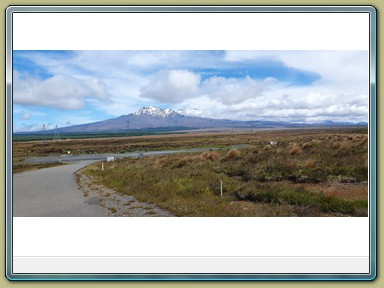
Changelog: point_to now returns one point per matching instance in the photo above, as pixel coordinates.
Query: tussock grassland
(287, 179)
(23, 150)
(233, 153)
(294, 149)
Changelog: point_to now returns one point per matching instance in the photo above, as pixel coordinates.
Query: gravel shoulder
(117, 204)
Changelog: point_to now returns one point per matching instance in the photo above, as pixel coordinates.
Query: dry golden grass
(204, 155)
(336, 145)
(292, 164)
(310, 163)
(267, 147)
(184, 160)
(295, 149)
(233, 153)
(209, 155)
(307, 145)
(341, 145)
(356, 138)
(279, 150)
(364, 141)
(213, 156)
(366, 161)
(330, 194)
(316, 141)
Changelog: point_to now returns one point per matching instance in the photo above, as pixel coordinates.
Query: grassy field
(25, 149)
(307, 173)
(22, 150)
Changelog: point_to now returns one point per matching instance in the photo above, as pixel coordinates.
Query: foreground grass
(18, 168)
(260, 181)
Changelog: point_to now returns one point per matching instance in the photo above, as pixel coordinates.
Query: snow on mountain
(156, 112)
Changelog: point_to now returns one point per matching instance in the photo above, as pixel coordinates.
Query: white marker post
(102, 166)
(221, 188)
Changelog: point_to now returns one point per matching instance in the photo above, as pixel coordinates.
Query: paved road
(52, 192)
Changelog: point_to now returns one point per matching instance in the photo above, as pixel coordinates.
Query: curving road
(52, 192)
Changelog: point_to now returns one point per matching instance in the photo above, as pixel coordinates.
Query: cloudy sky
(74, 87)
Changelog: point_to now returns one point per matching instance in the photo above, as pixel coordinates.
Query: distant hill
(153, 117)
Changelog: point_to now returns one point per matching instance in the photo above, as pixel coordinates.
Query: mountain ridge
(152, 117)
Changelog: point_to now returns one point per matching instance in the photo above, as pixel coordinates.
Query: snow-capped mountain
(156, 112)
(153, 117)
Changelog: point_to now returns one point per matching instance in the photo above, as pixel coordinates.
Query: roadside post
(221, 188)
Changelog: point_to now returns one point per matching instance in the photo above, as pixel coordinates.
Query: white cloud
(345, 71)
(284, 104)
(26, 115)
(341, 94)
(172, 86)
(233, 91)
(203, 106)
(64, 120)
(59, 91)
(28, 127)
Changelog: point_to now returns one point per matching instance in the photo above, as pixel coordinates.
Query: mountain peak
(156, 112)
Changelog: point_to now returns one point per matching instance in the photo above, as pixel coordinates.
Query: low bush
(309, 163)
(295, 149)
(233, 153)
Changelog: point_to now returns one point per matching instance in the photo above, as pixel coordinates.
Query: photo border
(196, 9)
